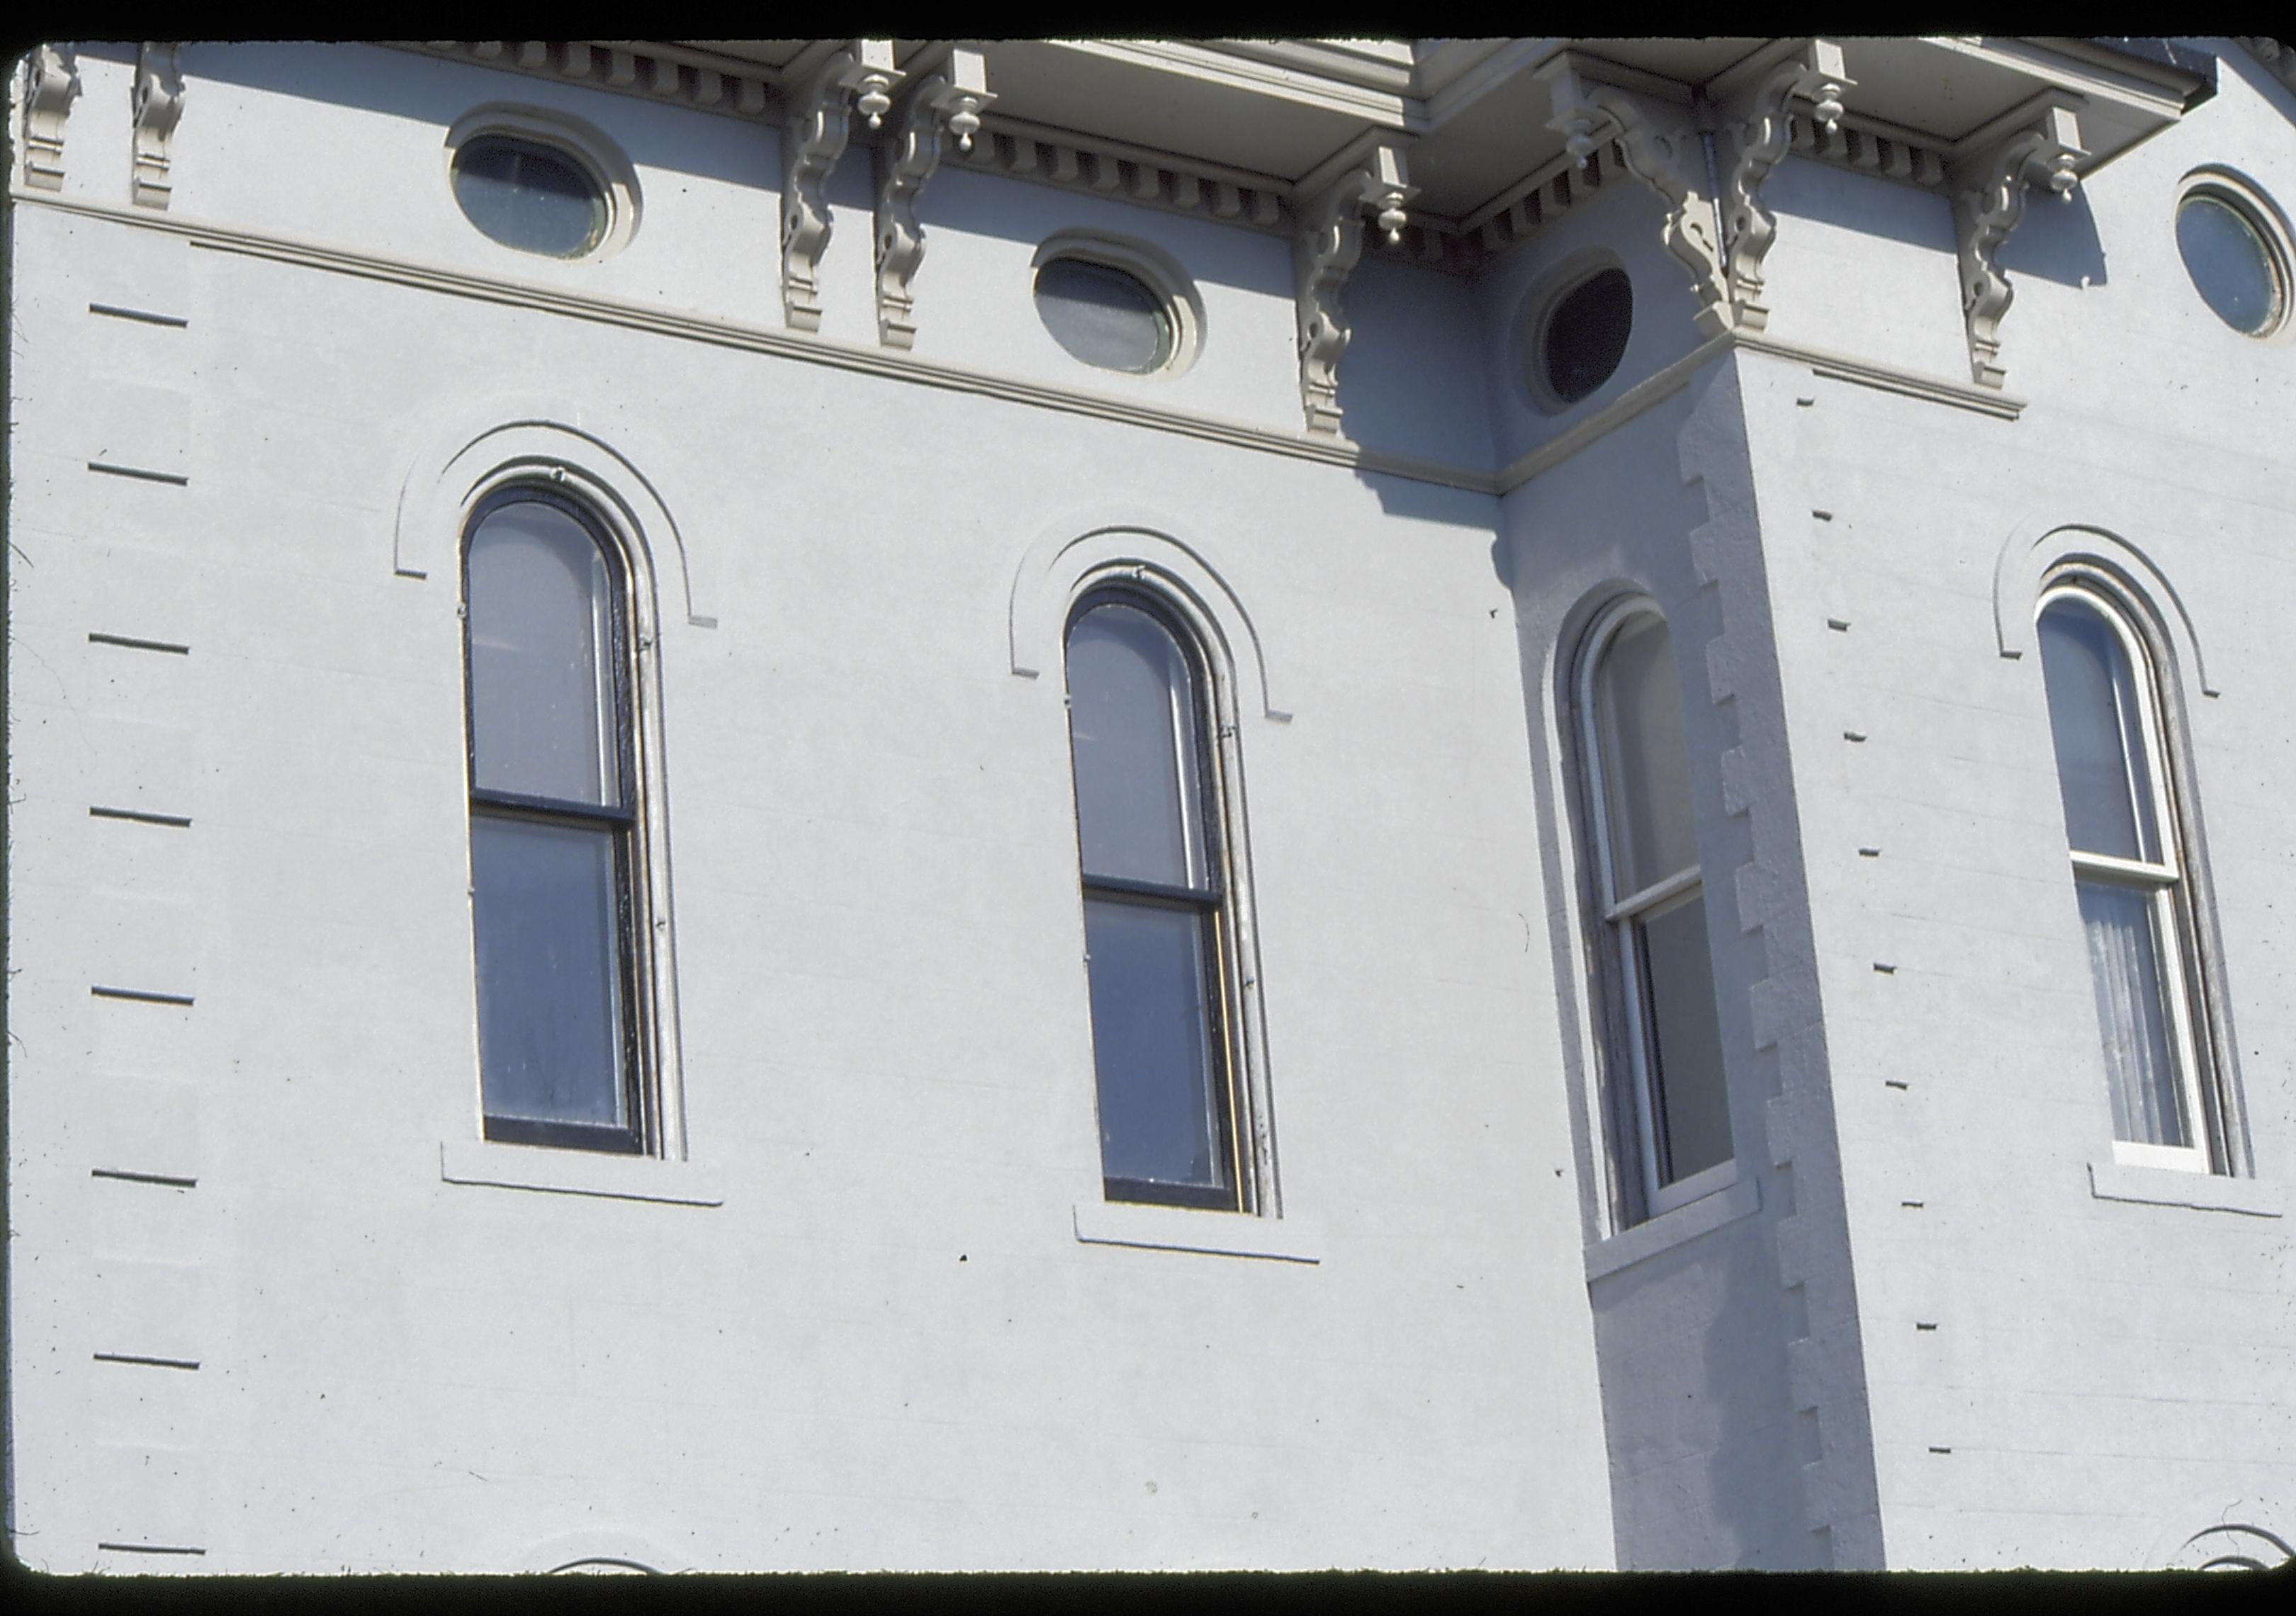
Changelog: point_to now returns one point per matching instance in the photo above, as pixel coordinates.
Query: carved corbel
(158, 102)
(1323, 255)
(948, 102)
(1989, 201)
(1663, 150)
(51, 80)
(859, 76)
(1814, 79)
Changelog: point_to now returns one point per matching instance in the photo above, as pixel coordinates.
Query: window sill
(2165, 1186)
(1173, 1228)
(1667, 1230)
(572, 1172)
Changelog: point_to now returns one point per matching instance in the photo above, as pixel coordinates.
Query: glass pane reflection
(1152, 1045)
(1694, 1123)
(543, 698)
(1103, 317)
(2229, 263)
(529, 197)
(1132, 722)
(543, 902)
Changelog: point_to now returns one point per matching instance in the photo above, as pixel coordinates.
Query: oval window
(1104, 316)
(2231, 262)
(1585, 335)
(529, 196)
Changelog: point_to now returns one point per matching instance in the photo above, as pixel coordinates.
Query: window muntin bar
(1653, 903)
(553, 856)
(2135, 903)
(1156, 926)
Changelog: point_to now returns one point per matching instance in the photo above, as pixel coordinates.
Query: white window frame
(660, 1065)
(1620, 916)
(1240, 1044)
(2168, 882)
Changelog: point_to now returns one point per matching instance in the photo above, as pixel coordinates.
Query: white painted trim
(1176, 1229)
(809, 347)
(1653, 388)
(1888, 378)
(1667, 1230)
(539, 433)
(1099, 539)
(2034, 548)
(589, 147)
(1058, 571)
(575, 1172)
(2166, 1187)
(605, 1546)
(1150, 264)
(902, 365)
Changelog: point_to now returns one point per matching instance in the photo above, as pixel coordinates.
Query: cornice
(1390, 89)
(1046, 156)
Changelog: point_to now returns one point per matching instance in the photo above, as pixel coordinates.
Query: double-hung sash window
(2136, 899)
(555, 868)
(1157, 934)
(1676, 1121)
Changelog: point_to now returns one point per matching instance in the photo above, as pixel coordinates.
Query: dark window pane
(1645, 763)
(1152, 1041)
(1103, 315)
(1587, 334)
(1132, 722)
(543, 718)
(529, 197)
(2124, 956)
(1692, 1124)
(2230, 264)
(2096, 723)
(543, 905)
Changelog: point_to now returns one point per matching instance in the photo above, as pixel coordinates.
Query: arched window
(1670, 1103)
(1159, 935)
(2127, 835)
(557, 892)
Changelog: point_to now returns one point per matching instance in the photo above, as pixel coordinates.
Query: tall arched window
(2127, 835)
(1673, 1116)
(1157, 906)
(556, 885)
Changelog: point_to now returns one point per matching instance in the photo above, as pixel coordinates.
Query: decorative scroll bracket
(1664, 151)
(1989, 201)
(859, 77)
(158, 99)
(948, 102)
(1815, 78)
(52, 78)
(1323, 254)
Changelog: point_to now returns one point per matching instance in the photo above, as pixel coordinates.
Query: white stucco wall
(886, 1346)
(2109, 1376)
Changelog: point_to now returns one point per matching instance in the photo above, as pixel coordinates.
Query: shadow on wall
(435, 90)
(2057, 241)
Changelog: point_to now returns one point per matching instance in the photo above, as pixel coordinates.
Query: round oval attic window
(2236, 260)
(529, 196)
(1103, 317)
(1584, 335)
